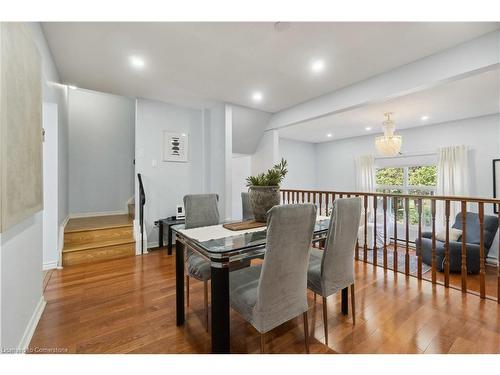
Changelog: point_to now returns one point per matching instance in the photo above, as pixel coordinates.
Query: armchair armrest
(426, 234)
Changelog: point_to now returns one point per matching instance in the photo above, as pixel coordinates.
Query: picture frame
(175, 147)
(496, 182)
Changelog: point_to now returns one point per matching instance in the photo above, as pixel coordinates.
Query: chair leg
(353, 305)
(262, 343)
(187, 290)
(306, 331)
(325, 320)
(205, 292)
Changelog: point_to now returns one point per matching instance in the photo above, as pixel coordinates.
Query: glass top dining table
(227, 248)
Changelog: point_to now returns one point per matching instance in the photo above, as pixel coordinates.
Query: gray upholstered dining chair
(247, 208)
(201, 210)
(270, 294)
(332, 269)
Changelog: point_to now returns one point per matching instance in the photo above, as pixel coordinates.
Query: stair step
(94, 236)
(97, 245)
(97, 254)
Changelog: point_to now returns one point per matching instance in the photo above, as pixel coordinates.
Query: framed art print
(496, 182)
(175, 146)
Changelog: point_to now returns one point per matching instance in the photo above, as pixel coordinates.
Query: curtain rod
(407, 155)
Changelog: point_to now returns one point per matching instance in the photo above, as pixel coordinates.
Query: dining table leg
(179, 282)
(345, 301)
(220, 308)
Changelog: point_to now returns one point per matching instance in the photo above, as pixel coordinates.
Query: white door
(50, 187)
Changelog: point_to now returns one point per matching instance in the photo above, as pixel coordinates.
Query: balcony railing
(393, 213)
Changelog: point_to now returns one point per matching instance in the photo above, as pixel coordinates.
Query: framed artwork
(496, 182)
(175, 146)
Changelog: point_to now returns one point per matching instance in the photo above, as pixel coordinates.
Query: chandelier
(388, 144)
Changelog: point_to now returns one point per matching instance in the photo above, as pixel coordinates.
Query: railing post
(447, 245)
(320, 202)
(407, 235)
(384, 203)
(375, 249)
(498, 262)
(464, 247)
(433, 245)
(365, 247)
(482, 266)
(395, 256)
(419, 250)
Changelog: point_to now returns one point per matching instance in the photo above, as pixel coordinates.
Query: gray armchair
(332, 270)
(247, 208)
(270, 294)
(473, 236)
(200, 210)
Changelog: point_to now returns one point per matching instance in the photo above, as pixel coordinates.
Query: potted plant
(265, 190)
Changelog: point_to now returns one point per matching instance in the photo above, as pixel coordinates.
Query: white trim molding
(92, 214)
(30, 328)
(50, 265)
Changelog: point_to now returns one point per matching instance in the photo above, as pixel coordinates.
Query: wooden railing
(397, 208)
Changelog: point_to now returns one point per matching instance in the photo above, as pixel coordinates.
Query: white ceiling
(194, 64)
(473, 96)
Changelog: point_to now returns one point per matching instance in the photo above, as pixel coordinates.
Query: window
(412, 180)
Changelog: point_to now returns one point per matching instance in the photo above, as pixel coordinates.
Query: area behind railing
(397, 231)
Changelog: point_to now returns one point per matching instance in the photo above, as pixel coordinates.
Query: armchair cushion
(473, 234)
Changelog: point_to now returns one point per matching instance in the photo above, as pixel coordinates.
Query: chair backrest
(247, 208)
(337, 265)
(282, 289)
(201, 210)
(473, 234)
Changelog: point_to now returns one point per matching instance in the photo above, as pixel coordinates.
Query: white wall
(335, 160)
(301, 158)
(219, 147)
(267, 153)
(101, 144)
(248, 128)
(21, 300)
(241, 169)
(56, 93)
(166, 184)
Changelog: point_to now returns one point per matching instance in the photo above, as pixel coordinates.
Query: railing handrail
(411, 196)
(396, 208)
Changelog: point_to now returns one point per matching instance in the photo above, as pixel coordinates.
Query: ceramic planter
(263, 199)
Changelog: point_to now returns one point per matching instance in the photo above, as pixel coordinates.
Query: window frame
(405, 187)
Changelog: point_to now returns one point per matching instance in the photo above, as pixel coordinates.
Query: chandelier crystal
(388, 144)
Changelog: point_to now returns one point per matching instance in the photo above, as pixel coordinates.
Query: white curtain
(365, 173)
(452, 179)
(365, 180)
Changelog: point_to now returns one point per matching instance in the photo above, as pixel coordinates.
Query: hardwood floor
(128, 306)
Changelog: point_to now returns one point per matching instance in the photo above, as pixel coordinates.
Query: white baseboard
(92, 214)
(50, 265)
(153, 244)
(30, 329)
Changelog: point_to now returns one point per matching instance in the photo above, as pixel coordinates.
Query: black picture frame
(496, 187)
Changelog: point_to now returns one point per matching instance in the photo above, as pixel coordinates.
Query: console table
(167, 222)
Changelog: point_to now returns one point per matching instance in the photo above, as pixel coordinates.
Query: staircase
(94, 239)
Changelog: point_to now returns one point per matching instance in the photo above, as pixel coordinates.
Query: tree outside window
(411, 180)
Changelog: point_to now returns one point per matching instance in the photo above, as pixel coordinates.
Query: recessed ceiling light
(424, 118)
(136, 62)
(368, 128)
(329, 135)
(72, 87)
(317, 66)
(257, 96)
